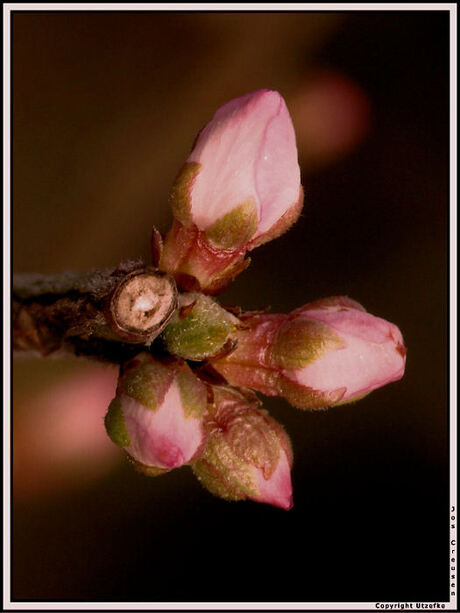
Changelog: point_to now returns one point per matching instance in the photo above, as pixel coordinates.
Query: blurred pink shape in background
(59, 439)
(331, 114)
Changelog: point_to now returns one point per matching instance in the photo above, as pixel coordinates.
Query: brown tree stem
(104, 314)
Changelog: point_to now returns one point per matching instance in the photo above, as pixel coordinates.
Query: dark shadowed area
(105, 109)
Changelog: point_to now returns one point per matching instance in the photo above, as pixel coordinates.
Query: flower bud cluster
(189, 399)
(164, 417)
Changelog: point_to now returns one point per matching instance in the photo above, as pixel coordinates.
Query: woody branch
(104, 314)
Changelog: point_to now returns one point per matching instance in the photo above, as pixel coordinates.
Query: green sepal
(202, 332)
(255, 441)
(236, 228)
(193, 393)
(301, 341)
(352, 399)
(241, 437)
(251, 434)
(214, 482)
(148, 471)
(303, 397)
(179, 196)
(115, 424)
(147, 383)
(222, 472)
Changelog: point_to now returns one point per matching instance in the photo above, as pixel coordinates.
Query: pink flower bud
(361, 352)
(239, 188)
(248, 454)
(156, 415)
(326, 353)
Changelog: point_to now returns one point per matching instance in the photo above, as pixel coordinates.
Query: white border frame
(204, 606)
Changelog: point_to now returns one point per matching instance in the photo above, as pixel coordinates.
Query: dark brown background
(105, 108)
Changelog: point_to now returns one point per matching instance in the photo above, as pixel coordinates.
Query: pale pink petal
(277, 170)
(361, 367)
(247, 151)
(164, 437)
(356, 323)
(374, 354)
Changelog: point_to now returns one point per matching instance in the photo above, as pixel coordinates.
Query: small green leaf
(201, 333)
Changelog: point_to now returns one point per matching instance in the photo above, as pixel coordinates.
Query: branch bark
(104, 314)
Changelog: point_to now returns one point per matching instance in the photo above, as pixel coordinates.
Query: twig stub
(101, 314)
(142, 304)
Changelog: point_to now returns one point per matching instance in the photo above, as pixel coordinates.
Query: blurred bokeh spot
(59, 439)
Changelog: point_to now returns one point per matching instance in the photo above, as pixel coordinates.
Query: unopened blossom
(239, 188)
(247, 455)
(156, 416)
(325, 353)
